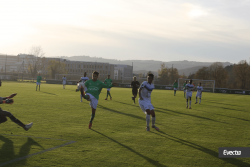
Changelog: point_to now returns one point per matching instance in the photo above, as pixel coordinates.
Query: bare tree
(219, 74)
(35, 60)
(241, 71)
(56, 67)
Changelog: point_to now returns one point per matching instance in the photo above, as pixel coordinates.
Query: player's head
(95, 75)
(64, 76)
(108, 76)
(134, 78)
(85, 74)
(150, 78)
(39, 74)
(190, 81)
(175, 81)
(200, 83)
(186, 81)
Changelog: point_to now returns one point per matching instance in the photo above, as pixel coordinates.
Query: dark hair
(151, 75)
(190, 81)
(96, 73)
(200, 83)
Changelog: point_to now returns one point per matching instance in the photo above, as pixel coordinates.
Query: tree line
(236, 76)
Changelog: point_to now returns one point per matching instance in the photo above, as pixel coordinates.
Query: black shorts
(134, 91)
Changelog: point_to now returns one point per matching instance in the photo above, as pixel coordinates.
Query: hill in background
(184, 66)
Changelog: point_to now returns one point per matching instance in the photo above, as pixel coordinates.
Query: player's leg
(190, 103)
(36, 86)
(187, 103)
(14, 119)
(81, 97)
(39, 86)
(148, 119)
(107, 94)
(196, 100)
(92, 117)
(200, 99)
(152, 112)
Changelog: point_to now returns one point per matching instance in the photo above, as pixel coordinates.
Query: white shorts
(64, 83)
(198, 95)
(108, 89)
(93, 101)
(145, 105)
(175, 88)
(188, 94)
(38, 83)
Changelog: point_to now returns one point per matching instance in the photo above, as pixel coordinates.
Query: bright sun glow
(195, 13)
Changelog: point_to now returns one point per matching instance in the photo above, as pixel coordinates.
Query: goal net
(208, 85)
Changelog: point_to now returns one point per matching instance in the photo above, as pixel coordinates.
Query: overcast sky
(166, 30)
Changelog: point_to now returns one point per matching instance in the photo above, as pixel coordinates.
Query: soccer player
(199, 92)
(184, 90)
(84, 79)
(189, 87)
(64, 81)
(38, 81)
(5, 114)
(108, 81)
(145, 100)
(135, 85)
(92, 94)
(175, 85)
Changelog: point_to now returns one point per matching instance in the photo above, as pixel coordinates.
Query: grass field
(60, 134)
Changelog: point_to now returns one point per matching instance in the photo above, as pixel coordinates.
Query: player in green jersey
(175, 85)
(94, 88)
(38, 81)
(108, 81)
(184, 88)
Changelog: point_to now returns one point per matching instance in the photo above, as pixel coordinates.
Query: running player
(64, 81)
(184, 90)
(135, 85)
(92, 94)
(199, 93)
(38, 81)
(175, 85)
(5, 114)
(108, 81)
(189, 87)
(145, 100)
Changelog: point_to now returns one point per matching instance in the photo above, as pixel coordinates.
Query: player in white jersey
(145, 100)
(64, 80)
(199, 92)
(84, 79)
(189, 88)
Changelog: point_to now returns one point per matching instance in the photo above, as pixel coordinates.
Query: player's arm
(140, 93)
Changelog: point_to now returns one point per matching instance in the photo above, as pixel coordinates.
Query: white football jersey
(189, 87)
(146, 90)
(64, 78)
(199, 89)
(84, 79)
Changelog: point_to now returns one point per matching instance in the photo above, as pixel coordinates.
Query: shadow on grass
(192, 115)
(242, 119)
(48, 93)
(127, 114)
(215, 154)
(7, 150)
(153, 162)
(137, 106)
(221, 103)
(118, 112)
(226, 108)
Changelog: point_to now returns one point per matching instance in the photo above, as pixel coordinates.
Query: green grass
(187, 137)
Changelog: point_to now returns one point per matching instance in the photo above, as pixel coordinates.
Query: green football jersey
(175, 85)
(39, 78)
(95, 88)
(108, 81)
(184, 85)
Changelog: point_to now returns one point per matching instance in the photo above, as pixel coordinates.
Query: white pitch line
(27, 156)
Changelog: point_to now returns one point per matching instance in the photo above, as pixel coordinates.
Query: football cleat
(195, 103)
(187, 107)
(190, 108)
(110, 98)
(156, 128)
(106, 99)
(28, 126)
(147, 128)
(90, 125)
